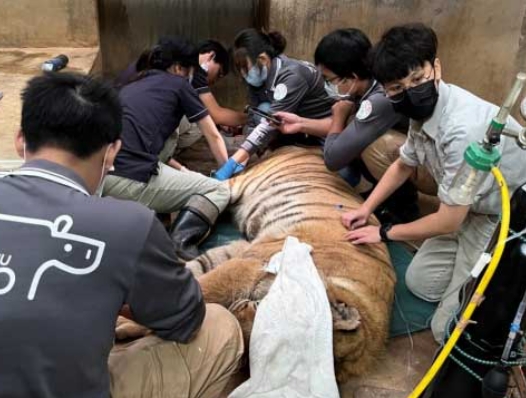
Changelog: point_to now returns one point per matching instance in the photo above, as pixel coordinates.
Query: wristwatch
(384, 228)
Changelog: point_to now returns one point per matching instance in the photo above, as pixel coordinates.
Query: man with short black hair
(70, 260)
(445, 119)
(214, 62)
(361, 118)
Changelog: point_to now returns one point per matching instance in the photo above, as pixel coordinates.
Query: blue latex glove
(226, 171)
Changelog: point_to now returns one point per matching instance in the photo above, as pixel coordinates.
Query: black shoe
(192, 226)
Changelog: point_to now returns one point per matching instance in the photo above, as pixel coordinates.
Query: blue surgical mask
(256, 77)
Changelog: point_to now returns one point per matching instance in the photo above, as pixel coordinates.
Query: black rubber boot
(192, 226)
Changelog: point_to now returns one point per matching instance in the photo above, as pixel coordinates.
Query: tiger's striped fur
(292, 193)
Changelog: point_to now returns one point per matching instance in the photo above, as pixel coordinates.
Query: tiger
(292, 193)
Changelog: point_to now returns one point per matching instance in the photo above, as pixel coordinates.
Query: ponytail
(251, 42)
(278, 41)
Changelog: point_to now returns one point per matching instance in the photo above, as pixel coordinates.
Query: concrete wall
(48, 23)
(481, 43)
(127, 27)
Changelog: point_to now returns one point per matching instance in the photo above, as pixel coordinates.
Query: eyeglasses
(396, 91)
(336, 80)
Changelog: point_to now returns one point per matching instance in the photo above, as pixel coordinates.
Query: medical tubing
(514, 328)
(479, 292)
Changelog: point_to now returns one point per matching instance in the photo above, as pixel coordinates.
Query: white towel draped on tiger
(291, 192)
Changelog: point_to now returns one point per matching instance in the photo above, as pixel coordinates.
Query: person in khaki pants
(445, 119)
(150, 367)
(91, 256)
(153, 106)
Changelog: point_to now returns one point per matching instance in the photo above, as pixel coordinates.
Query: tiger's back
(291, 186)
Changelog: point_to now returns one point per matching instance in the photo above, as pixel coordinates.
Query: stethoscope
(47, 175)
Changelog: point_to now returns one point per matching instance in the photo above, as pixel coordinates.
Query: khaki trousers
(169, 190)
(153, 368)
(443, 264)
(383, 152)
(186, 135)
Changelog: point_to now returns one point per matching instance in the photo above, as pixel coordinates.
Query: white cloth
(291, 351)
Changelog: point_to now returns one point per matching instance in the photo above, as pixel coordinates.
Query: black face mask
(418, 102)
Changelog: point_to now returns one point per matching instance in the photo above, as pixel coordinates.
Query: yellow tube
(479, 293)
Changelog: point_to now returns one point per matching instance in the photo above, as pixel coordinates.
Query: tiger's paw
(345, 317)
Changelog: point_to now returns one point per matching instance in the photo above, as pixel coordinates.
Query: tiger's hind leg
(238, 285)
(206, 262)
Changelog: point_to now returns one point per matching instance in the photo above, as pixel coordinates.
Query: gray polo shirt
(68, 262)
(374, 117)
(297, 87)
(459, 119)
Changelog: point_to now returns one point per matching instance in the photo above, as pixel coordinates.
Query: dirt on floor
(17, 66)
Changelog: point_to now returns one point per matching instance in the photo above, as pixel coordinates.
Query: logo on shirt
(365, 110)
(280, 92)
(84, 253)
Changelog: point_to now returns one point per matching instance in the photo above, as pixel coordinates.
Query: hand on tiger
(355, 218)
(290, 123)
(369, 234)
(228, 169)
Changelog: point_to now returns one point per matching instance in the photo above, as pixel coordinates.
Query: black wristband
(384, 228)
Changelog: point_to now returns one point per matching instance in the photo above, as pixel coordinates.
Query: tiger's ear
(345, 317)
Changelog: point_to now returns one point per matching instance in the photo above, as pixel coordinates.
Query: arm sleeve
(200, 81)
(341, 149)
(165, 296)
(296, 87)
(408, 151)
(192, 106)
(453, 148)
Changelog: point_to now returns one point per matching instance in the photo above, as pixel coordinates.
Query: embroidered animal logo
(86, 252)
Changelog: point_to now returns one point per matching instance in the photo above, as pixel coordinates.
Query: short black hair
(171, 50)
(221, 54)
(73, 112)
(345, 53)
(403, 49)
(252, 42)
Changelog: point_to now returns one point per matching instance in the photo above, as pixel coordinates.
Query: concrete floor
(403, 365)
(17, 66)
(397, 373)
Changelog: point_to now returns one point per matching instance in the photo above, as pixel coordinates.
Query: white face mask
(333, 91)
(103, 173)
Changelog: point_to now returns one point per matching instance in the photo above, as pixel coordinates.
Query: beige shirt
(459, 119)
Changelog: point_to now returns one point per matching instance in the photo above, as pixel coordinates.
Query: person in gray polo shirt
(290, 85)
(362, 120)
(69, 260)
(445, 119)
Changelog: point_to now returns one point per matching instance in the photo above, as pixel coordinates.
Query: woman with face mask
(153, 106)
(286, 84)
